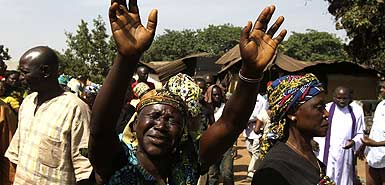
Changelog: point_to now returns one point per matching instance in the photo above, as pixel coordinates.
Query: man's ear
(45, 70)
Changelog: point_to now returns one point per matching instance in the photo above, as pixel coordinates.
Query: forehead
(142, 69)
(216, 90)
(161, 108)
(342, 92)
(319, 98)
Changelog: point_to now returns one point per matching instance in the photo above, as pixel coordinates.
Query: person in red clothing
(142, 72)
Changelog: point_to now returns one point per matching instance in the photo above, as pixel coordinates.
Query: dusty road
(242, 161)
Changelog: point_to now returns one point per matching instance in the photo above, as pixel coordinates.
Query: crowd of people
(56, 129)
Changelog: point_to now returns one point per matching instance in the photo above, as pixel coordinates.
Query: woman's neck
(302, 145)
(159, 168)
(301, 142)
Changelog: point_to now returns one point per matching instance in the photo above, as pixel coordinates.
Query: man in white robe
(346, 128)
(252, 138)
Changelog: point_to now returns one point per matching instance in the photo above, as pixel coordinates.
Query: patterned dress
(185, 169)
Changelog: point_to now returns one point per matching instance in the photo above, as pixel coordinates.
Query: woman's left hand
(257, 46)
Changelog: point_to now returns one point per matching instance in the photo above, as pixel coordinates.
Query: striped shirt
(46, 146)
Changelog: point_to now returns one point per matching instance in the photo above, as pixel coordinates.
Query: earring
(293, 118)
(325, 117)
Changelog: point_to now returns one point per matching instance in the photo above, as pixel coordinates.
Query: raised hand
(131, 37)
(257, 46)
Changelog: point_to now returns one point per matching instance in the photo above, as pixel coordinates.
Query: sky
(25, 24)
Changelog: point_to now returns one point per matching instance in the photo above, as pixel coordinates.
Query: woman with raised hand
(161, 118)
(297, 115)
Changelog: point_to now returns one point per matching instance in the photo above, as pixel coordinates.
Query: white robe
(340, 161)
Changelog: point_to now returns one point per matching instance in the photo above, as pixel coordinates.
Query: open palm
(131, 37)
(257, 46)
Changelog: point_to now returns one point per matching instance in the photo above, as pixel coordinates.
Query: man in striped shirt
(53, 127)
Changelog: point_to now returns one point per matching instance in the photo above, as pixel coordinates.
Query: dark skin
(13, 79)
(308, 121)
(142, 72)
(3, 67)
(39, 68)
(217, 96)
(158, 129)
(342, 97)
(209, 80)
(366, 140)
(257, 48)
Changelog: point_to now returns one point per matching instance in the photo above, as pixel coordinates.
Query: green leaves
(89, 52)
(364, 22)
(177, 44)
(4, 53)
(314, 45)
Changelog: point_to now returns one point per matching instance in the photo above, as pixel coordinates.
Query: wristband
(249, 80)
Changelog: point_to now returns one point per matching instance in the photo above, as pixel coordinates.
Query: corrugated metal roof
(166, 69)
(233, 55)
(281, 60)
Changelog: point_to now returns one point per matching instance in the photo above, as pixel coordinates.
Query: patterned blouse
(185, 169)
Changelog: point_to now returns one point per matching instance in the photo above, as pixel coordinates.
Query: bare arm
(132, 39)
(370, 142)
(257, 49)
(258, 126)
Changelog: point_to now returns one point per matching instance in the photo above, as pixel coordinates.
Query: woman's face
(312, 117)
(159, 129)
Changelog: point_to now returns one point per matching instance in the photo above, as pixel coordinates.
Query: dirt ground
(242, 160)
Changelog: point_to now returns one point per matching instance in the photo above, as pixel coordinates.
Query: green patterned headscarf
(185, 87)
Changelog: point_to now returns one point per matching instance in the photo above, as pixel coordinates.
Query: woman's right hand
(131, 37)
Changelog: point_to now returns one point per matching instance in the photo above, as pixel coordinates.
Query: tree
(314, 45)
(89, 52)
(177, 44)
(217, 39)
(363, 21)
(171, 45)
(4, 53)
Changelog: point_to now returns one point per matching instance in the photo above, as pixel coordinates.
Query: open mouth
(159, 140)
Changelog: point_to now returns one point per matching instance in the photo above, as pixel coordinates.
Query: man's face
(3, 67)
(216, 95)
(142, 74)
(202, 85)
(31, 74)
(342, 98)
(13, 79)
(382, 89)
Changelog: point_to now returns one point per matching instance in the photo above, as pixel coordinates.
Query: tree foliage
(177, 44)
(4, 55)
(364, 23)
(314, 45)
(89, 52)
